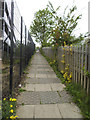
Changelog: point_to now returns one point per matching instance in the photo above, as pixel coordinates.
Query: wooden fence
(77, 59)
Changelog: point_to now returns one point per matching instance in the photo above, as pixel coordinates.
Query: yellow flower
(62, 71)
(63, 55)
(11, 105)
(4, 99)
(67, 49)
(12, 117)
(62, 61)
(69, 81)
(70, 49)
(63, 48)
(71, 45)
(66, 68)
(10, 99)
(50, 63)
(54, 61)
(13, 99)
(64, 43)
(16, 116)
(70, 76)
(64, 76)
(11, 110)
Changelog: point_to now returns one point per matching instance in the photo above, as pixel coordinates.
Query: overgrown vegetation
(79, 94)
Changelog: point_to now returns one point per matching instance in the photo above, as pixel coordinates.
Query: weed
(22, 104)
(40, 102)
(21, 90)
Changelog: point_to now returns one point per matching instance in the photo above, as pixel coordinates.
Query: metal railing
(17, 45)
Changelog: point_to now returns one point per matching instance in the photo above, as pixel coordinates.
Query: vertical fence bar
(21, 47)
(11, 51)
(25, 44)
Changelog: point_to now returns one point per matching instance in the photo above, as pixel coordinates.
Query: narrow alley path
(45, 96)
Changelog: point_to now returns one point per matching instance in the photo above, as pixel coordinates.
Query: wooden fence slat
(76, 64)
(88, 63)
(79, 64)
(82, 65)
(86, 47)
(73, 63)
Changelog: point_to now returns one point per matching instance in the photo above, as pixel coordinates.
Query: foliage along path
(44, 95)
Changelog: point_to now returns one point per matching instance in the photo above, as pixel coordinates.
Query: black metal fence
(17, 45)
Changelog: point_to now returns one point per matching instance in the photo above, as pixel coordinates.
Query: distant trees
(49, 28)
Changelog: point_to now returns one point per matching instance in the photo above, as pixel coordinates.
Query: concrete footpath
(45, 96)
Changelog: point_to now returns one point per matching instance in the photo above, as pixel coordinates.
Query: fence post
(21, 47)
(88, 63)
(11, 50)
(25, 44)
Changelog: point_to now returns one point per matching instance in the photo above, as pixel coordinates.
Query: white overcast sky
(29, 7)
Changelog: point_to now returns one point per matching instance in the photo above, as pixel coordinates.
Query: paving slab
(31, 75)
(45, 72)
(57, 86)
(48, 69)
(41, 75)
(69, 110)
(29, 87)
(37, 87)
(25, 111)
(42, 87)
(32, 81)
(42, 80)
(47, 111)
(28, 98)
(49, 97)
(65, 97)
(40, 69)
(51, 76)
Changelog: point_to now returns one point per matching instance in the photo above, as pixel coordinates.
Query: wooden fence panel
(78, 59)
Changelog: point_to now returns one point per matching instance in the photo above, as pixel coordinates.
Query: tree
(65, 26)
(48, 27)
(40, 28)
(42, 25)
